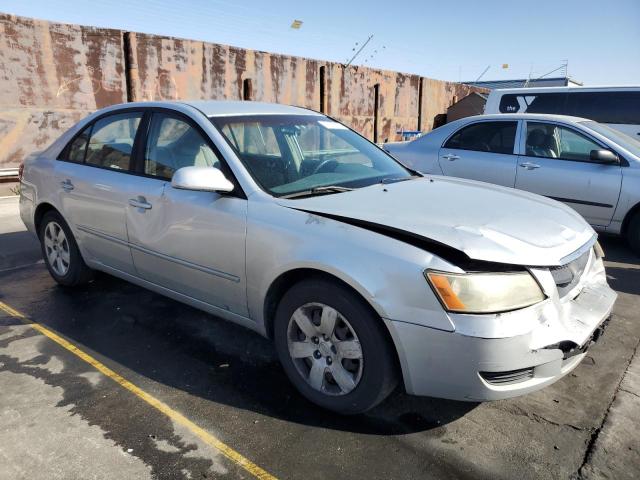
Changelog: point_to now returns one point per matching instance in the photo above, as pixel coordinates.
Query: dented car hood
(485, 222)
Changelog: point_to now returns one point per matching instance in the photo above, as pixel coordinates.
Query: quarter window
(494, 137)
(111, 142)
(173, 144)
(75, 151)
(553, 141)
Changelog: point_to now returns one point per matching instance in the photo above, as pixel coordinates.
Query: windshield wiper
(330, 189)
(398, 179)
(325, 189)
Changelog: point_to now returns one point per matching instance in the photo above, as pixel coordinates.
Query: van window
(605, 107)
(495, 137)
(553, 103)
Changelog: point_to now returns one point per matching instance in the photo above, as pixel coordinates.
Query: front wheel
(333, 347)
(60, 251)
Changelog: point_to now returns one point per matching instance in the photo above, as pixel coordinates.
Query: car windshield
(294, 154)
(625, 141)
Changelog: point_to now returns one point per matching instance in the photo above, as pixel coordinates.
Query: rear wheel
(333, 347)
(633, 233)
(60, 252)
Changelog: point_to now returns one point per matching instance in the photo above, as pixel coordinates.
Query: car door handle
(66, 185)
(140, 202)
(529, 165)
(451, 157)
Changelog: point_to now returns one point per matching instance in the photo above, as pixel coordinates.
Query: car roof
(224, 108)
(527, 116)
(565, 89)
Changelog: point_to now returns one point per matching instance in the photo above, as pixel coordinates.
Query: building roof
(524, 82)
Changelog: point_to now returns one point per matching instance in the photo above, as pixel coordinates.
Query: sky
(449, 40)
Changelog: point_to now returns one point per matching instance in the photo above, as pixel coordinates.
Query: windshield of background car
(625, 141)
(286, 154)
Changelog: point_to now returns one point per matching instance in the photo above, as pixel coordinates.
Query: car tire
(633, 233)
(348, 384)
(60, 252)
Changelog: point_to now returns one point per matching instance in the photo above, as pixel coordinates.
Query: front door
(482, 151)
(557, 164)
(189, 242)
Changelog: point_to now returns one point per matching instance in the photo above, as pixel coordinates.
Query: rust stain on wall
(53, 74)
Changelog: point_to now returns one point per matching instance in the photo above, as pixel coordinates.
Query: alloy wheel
(325, 349)
(57, 248)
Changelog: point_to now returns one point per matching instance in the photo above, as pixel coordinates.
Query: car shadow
(18, 249)
(622, 265)
(184, 348)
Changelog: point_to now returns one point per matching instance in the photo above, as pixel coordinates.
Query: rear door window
(493, 137)
(111, 142)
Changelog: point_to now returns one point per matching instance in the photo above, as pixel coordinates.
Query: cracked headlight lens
(485, 292)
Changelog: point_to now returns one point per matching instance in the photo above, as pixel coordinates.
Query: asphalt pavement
(113, 381)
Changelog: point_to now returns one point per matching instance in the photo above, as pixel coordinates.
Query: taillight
(20, 171)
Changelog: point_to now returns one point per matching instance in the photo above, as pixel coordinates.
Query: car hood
(485, 222)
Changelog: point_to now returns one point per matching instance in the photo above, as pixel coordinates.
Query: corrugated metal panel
(57, 73)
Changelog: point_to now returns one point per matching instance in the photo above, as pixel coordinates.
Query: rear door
(190, 242)
(482, 151)
(94, 180)
(556, 163)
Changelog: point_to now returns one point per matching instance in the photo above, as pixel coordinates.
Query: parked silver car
(361, 271)
(587, 165)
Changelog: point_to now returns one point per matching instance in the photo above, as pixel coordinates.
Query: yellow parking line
(205, 436)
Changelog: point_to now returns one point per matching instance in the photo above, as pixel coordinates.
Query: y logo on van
(523, 102)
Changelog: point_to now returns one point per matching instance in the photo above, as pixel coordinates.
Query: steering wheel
(327, 165)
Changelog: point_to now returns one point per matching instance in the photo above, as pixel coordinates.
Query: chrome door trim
(184, 263)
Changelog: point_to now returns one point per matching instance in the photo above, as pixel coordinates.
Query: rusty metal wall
(53, 74)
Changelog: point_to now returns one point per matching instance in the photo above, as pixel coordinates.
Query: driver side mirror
(201, 179)
(604, 157)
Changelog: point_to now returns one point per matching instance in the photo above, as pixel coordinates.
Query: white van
(618, 107)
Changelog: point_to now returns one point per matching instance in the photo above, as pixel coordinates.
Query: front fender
(387, 273)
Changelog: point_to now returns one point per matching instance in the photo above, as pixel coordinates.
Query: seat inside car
(540, 144)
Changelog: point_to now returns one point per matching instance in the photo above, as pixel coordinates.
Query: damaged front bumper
(491, 357)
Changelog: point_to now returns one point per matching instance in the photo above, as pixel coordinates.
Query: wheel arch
(41, 211)
(288, 279)
(633, 211)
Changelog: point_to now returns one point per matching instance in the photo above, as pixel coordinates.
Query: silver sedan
(587, 165)
(363, 272)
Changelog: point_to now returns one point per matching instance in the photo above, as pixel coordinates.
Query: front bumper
(466, 365)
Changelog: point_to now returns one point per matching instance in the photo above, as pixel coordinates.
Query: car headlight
(485, 292)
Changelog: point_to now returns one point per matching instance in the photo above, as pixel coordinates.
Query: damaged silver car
(363, 272)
